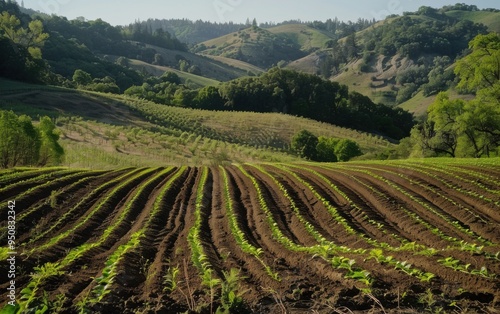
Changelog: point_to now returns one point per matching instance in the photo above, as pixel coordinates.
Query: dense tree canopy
(479, 72)
(304, 144)
(413, 36)
(460, 128)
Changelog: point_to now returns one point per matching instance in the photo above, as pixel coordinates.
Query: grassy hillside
(105, 131)
(249, 68)
(158, 70)
(254, 45)
(379, 82)
(209, 68)
(490, 19)
(265, 47)
(306, 37)
(398, 63)
(419, 103)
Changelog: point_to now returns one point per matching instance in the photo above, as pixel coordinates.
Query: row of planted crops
(420, 235)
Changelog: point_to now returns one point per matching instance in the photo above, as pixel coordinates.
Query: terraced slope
(411, 235)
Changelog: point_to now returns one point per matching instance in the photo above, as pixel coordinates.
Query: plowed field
(268, 238)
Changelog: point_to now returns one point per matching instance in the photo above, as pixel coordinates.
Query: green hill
(308, 38)
(249, 68)
(490, 19)
(186, 77)
(267, 47)
(254, 45)
(207, 67)
(405, 60)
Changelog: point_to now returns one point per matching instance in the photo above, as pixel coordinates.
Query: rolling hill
(411, 72)
(266, 47)
(254, 45)
(158, 70)
(106, 131)
(209, 68)
(308, 38)
(488, 18)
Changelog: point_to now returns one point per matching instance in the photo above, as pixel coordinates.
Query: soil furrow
(281, 209)
(453, 212)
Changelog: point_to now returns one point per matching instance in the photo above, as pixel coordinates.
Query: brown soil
(387, 207)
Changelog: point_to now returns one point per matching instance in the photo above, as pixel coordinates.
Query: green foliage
(23, 144)
(20, 54)
(325, 149)
(81, 77)
(31, 301)
(439, 78)
(51, 151)
(416, 74)
(209, 98)
(480, 70)
(312, 97)
(347, 149)
(304, 144)
(231, 295)
(170, 280)
(406, 92)
(31, 38)
(171, 77)
(424, 32)
(467, 128)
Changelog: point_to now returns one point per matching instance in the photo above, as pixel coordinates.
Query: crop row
(357, 224)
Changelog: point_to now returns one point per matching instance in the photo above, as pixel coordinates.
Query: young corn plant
(170, 280)
(231, 296)
(30, 300)
(109, 272)
(238, 234)
(379, 256)
(211, 283)
(320, 249)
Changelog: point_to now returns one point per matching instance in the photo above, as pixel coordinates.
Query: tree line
(286, 91)
(194, 32)
(324, 149)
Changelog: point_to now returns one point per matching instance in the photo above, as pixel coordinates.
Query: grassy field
(306, 37)
(158, 70)
(209, 68)
(238, 64)
(419, 103)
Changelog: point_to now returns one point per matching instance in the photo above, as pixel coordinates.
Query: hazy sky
(123, 12)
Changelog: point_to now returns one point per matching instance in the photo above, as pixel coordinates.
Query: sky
(124, 12)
